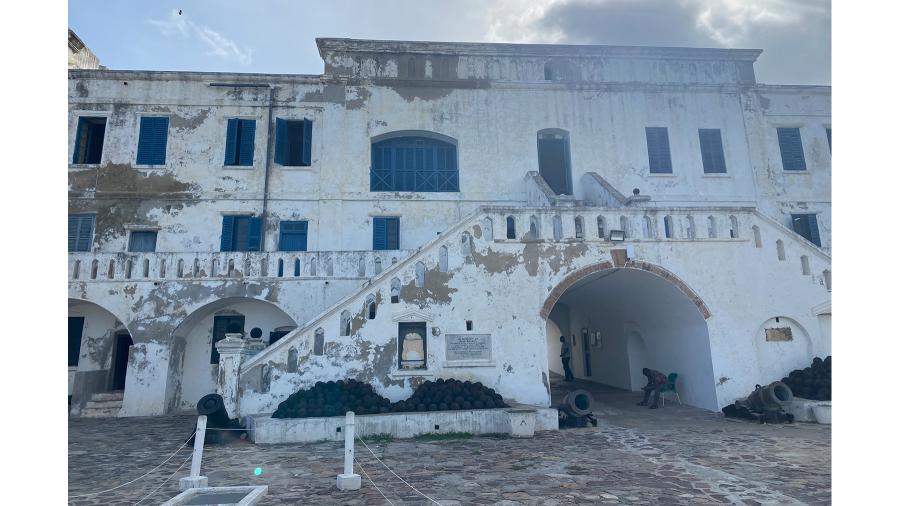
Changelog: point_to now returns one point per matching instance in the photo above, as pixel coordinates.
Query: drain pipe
(269, 146)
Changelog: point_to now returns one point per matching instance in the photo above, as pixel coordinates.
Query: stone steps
(109, 396)
(103, 405)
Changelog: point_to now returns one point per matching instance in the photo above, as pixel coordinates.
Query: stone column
(232, 352)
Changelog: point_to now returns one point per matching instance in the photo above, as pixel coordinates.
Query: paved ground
(674, 455)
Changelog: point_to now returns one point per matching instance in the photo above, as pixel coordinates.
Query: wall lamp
(617, 235)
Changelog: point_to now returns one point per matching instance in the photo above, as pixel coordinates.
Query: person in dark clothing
(655, 381)
(566, 354)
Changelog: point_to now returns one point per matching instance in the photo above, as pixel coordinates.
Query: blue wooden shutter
(281, 141)
(81, 230)
(814, 230)
(78, 141)
(791, 149)
(307, 143)
(379, 233)
(392, 240)
(231, 142)
(711, 151)
(152, 140)
(227, 233)
(160, 138)
(248, 135)
(660, 157)
(254, 233)
(293, 235)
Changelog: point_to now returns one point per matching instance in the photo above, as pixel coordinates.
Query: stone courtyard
(673, 455)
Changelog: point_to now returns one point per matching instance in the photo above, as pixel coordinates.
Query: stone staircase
(103, 405)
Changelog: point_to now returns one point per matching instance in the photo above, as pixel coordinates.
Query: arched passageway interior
(619, 321)
(194, 340)
(92, 348)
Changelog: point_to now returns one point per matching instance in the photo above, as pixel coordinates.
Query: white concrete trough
(517, 421)
(219, 496)
(806, 410)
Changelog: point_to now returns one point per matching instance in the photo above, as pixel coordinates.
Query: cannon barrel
(577, 403)
(213, 406)
(775, 395)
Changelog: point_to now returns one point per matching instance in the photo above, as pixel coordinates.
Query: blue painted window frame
(241, 233)
(414, 163)
(81, 232)
(240, 142)
(386, 233)
(711, 151)
(152, 140)
(791, 146)
(658, 152)
(293, 235)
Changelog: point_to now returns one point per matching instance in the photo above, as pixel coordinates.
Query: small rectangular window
(293, 235)
(658, 150)
(711, 151)
(76, 330)
(385, 233)
(241, 233)
(807, 226)
(293, 142)
(81, 232)
(141, 241)
(240, 137)
(152, 140)
(89, 140)
(791, 149)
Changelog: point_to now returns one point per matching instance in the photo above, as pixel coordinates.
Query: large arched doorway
(195, 337)
(619, 320)
(96, 363)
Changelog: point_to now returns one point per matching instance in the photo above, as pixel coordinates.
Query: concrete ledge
(805, 410)
(234, 496)
(267, 430)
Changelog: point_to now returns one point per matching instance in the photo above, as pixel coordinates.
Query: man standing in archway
(565, 353)
(655, 381)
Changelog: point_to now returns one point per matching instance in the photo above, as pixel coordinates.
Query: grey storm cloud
(795, 35)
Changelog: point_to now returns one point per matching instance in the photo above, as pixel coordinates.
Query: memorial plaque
(468, 346)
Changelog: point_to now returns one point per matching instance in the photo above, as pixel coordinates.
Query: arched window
(623, 224)
(711, 227)
(648, 227)
(804, 265)
(377, 266)
(395, 290)
(371, 306)
(312, 266)
(296, 267)
(579, 227)
(345, 323)
(488, 226)
(442, 259)
(557, 228)
(292, 360)
(162, 268)
(534, 227)
(466, 244)
(361, 269)
(757, 237)
(280, 272)
(826, 276)
(601, 228)
(414, 161)
(734, 227)
(180, 269)
(76, 269)
(420, 274)
(669, 227)
(779, 246)
(319, 342)
(691, 231)
(510, 227)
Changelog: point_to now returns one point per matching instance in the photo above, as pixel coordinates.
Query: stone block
(349, 482)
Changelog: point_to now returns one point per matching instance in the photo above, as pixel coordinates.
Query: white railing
(222, 265)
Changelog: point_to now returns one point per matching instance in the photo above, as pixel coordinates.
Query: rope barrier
(164, 481)
(395, 474)
(139, 477)
(372, 481)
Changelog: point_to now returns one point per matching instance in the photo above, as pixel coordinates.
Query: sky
(278, 36)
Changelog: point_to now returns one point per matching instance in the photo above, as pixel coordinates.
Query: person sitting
(655, 382)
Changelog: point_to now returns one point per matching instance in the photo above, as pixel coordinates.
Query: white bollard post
(195, 480)
(348, 480)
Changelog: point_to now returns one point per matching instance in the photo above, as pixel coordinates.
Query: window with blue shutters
(807, 226)
(791, 149)
(142, 241)
(241, 233)
(89, 140)
(240, 136)
(658, 150)
(385, 233)
(81, 232)
(293, 142)
(293, 236)
(711, 151)
(152, 140)
(414, 163)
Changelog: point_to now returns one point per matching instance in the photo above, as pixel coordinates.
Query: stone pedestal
(192, 482)
(349, 482)
(521, 422)
(233, 350)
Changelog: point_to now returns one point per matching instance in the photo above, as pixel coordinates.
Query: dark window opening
(554, 162)
(711, 151)
(385, 233)
(239, 142)
(468, 324)
(510, 227)
(275, 335)
(120, 367)
(81, 232)
(241, 233)
(807, 226)
(142, 241)
(89, 140)
(658, 150)
(152, 140)
(414, 163)
(293, 235)
(224, 324)
(412, 347)
(791, 147)
(293, 142)
(828, 133)
(76, 330)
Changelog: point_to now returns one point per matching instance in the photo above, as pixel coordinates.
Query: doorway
(554, 162)
(120, 360)
(224, 324)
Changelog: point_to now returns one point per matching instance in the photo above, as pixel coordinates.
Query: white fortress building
(427, 210)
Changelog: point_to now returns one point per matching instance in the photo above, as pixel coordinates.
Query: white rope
(139, 477)
(395, 474)
(165, 481)
(372, 481)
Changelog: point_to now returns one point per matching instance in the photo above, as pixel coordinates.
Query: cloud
(795, 35)
(216, 43)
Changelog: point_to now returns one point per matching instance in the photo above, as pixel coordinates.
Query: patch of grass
(496, 435)
(443, 436)
(377, 438)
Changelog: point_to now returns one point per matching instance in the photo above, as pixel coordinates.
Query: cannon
(575, 409)
(764, 405)
(213, 406)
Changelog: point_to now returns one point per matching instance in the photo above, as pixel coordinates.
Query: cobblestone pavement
(673, 455)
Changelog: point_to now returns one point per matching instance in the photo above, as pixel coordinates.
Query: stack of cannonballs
(814, 382)
(451, 394)
(332, 399)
